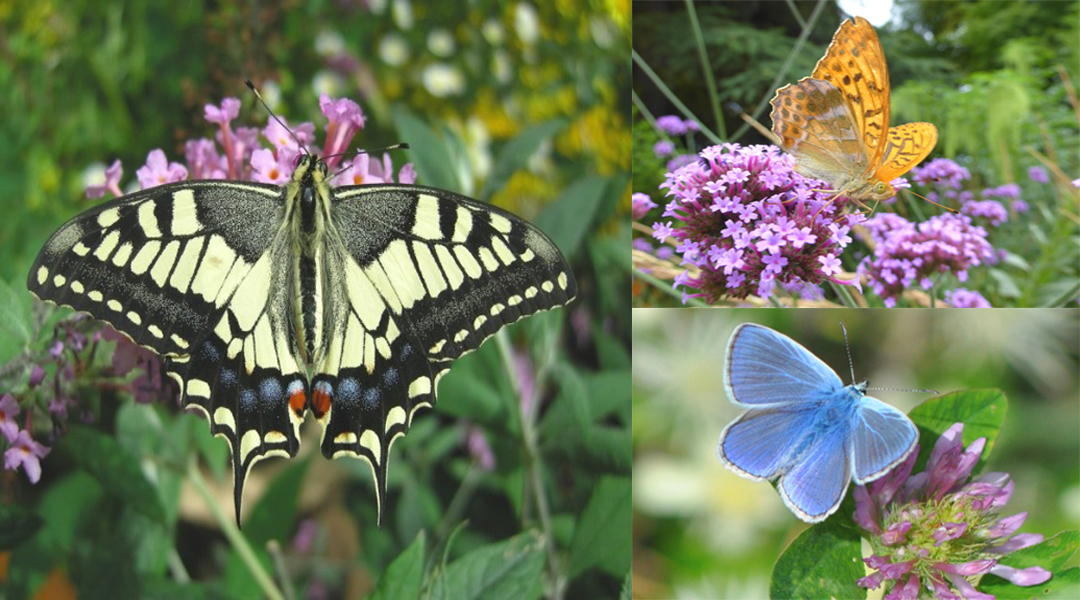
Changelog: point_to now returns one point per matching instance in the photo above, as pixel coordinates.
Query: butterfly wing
(816, 126)
(760, 444)
(855, 63)
(815, 485)
(422, 277)
(882, 437)
(906, 146)
(189, 270)
(765, 368)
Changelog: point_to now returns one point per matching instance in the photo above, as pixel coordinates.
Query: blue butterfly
(803, 425)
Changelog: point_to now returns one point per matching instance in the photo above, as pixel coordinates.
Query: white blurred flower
(501, 66)
(477, 141)
(526, 23)
(440, 43)
(329, 43)
(401, 11)
(325, 82)
(443, 80)
(603, 31)
(493, 32)
(393, 50)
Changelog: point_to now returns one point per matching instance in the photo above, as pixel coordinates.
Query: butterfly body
(835, 123)
(269, 301)
(803, 426)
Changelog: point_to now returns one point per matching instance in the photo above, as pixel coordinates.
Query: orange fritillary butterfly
(835, 123)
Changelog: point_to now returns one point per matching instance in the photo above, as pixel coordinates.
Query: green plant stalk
(706, 69)
(533, 460)
(664, 287)
(232, 533)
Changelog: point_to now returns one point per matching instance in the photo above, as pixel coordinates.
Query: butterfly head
(872, 190)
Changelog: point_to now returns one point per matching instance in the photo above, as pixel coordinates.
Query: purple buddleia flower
(203, 159)
(935, 531)
(749, 223)
(479, 448)
(159, 171)
(9, 409)
(906, 253)
(266, 168)
(111, 184)
(345, 121)
(26, 453)
(1038, 175)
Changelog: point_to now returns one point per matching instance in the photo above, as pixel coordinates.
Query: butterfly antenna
(932, 202)
(847, 346)
(397, 146)
(877, 389)
(251, 86)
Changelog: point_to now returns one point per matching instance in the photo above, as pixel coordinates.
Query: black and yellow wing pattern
(267, 301)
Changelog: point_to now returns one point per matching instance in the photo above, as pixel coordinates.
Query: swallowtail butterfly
(268, 301)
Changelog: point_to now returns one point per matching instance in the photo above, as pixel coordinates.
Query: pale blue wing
(815, 485)
(882, 437)
(768, 368)
(760, 444)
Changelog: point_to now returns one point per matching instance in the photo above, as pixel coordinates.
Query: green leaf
(602, 536)
(113, 467)
(981, 411)
(430, 155)
(510, 569)
(608, 393)
(516, 153)
(1052, 554)
(1006, 286)
(16, 525)
(403, 578)
(572, 391)
(14, 320)
(273, 517)
(823, 562)
(567, 220)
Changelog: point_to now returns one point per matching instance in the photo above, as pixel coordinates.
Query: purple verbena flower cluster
(934, 530)
(641, 204)
(749, 223)
(673, 125)
(1038, 175)
(663, 148)
(992, 210)
(1007, 191)
(963, 298)
(906, 253)
(942, 172)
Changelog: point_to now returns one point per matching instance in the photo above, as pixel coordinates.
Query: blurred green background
(700, 531)
(522, 104)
